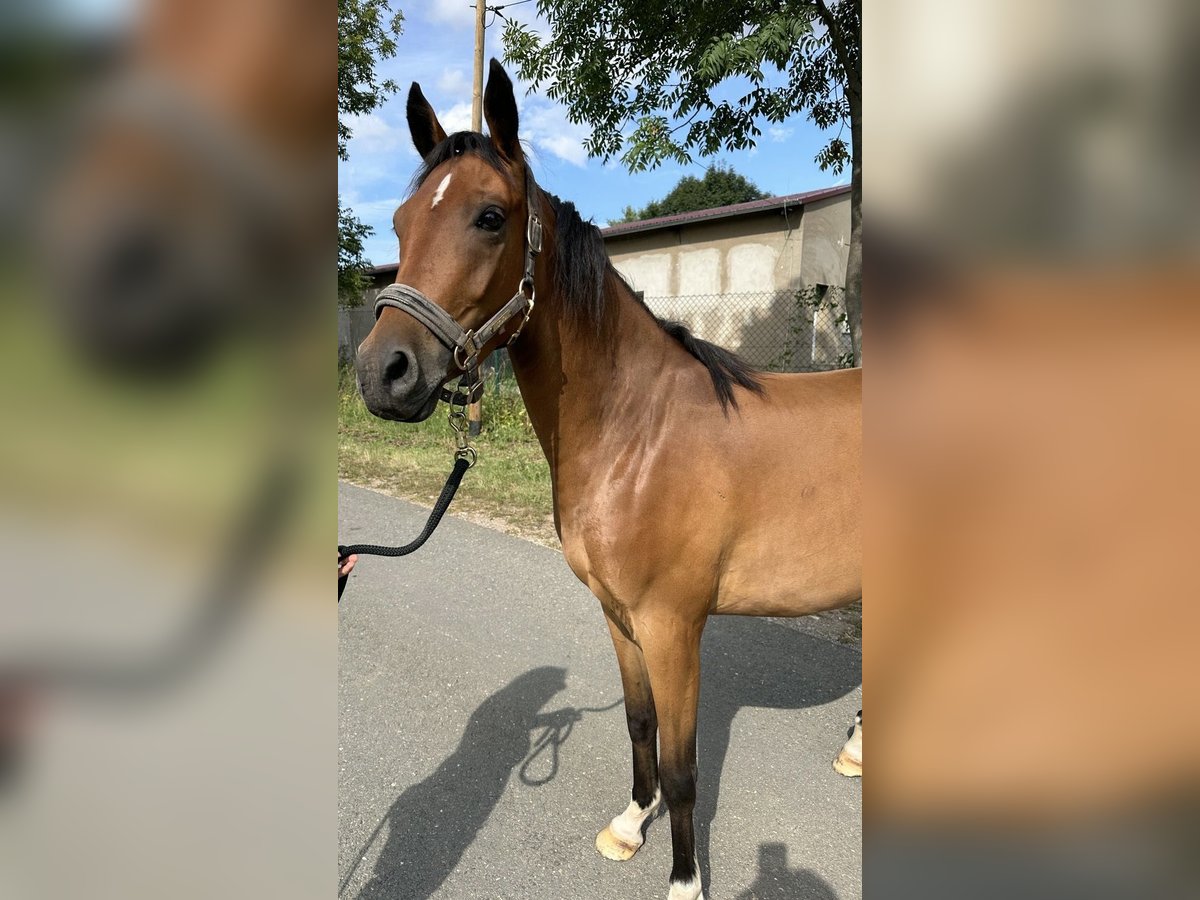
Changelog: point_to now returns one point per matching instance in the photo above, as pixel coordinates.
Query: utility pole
(477, 93)
(475, 410)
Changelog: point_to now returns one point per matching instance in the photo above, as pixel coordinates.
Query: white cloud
(459, 13)
(372, 134)
(544, 124)
(454, 82)
(566, 148)
(779, 133)
(374, 209)
(456, 118)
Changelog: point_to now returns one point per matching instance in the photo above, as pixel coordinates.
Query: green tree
(367, 32)
(351, 261)
(720, 186)
(646, 77)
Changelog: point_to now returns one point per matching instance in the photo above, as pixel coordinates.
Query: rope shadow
(556, 728)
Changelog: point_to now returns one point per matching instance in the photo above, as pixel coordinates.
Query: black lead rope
(461, 464)
(465, 347)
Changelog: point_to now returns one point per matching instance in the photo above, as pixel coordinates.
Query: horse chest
(596, 560)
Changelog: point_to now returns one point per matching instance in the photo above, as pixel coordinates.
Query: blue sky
(436, 50)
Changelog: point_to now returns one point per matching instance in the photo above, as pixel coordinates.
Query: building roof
(767, 204)
(383, 269)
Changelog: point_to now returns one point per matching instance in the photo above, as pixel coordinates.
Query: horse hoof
(847, 765)
(613, 847)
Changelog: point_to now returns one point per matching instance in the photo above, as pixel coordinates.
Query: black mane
(583, 268)
(456, 145)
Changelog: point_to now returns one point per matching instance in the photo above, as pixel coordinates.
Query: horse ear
(426, 130)
(500, 110)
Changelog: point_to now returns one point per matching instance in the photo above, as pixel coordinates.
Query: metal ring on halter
(469, 362)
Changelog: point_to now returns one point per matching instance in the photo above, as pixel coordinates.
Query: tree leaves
(720, 186)
(834, 155)
(351, 262)
(642, 73)
(367, 31)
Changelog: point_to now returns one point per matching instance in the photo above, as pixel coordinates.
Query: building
(762, 278)
(733, 274)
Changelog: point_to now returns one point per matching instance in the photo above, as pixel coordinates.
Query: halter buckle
(533, 234)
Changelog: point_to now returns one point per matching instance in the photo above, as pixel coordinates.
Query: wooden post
(477, 92)
(475, 410)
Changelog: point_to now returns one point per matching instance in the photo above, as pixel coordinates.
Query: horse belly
(760, 597)
(771, 578)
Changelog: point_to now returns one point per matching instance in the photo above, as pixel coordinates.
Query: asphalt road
(482, 743)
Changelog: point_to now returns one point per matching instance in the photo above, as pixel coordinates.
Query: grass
(508, 487)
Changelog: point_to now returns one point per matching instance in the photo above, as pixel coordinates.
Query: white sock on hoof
(628, 825)
(853, 747)
(686, 890)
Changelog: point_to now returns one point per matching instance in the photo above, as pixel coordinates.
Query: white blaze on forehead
(441, 189)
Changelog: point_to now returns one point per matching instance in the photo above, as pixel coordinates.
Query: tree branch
(835, 38)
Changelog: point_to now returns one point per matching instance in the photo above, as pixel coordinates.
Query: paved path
(482, 743)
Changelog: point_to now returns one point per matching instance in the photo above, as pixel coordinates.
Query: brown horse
(685, 484)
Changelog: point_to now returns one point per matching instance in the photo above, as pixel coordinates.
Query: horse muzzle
(398, 381)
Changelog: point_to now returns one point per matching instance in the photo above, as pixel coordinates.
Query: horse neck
(580, 379)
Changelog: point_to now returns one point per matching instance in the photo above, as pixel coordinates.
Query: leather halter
(466, 344)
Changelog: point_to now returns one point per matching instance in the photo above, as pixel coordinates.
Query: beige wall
(825, 241)
(770, 251)
(695, 272)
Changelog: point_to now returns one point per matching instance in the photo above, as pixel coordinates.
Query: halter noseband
(466, 345)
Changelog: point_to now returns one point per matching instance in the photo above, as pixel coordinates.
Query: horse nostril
(134, 269)
(396, 369)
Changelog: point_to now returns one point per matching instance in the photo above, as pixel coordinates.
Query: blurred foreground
(167, 648)
(1033, 435)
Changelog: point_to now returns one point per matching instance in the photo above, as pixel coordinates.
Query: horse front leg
(622, 838)
(672, 652)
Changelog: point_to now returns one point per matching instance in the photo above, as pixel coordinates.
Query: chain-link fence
(783, 331)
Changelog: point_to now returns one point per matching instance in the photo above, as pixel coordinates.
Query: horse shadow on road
(749, 662)
(746, 663)
(777, 882)
(431, 825)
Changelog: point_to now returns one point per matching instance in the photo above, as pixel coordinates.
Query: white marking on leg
(849, 758)
(628, 825)
(853, 747)
(687, 890)
(441, 189)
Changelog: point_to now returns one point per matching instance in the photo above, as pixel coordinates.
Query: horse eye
(491, 220)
